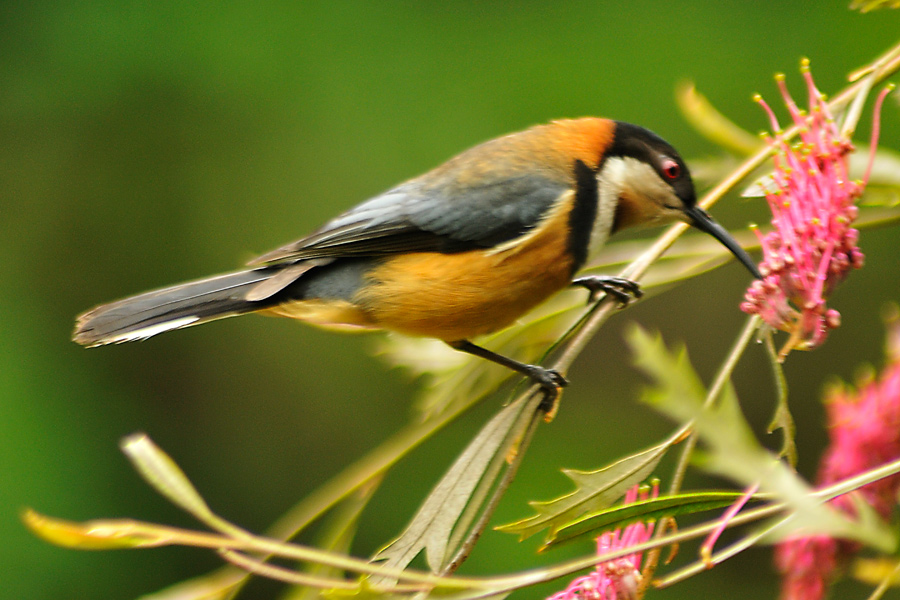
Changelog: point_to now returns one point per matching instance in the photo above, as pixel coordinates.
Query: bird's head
(649, 184)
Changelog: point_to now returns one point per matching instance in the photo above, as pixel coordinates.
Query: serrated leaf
(732, 451)
(90, 535)
(161, 472)
(651, 509)
(595, 490)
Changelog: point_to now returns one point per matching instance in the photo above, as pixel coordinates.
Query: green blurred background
(150, 142)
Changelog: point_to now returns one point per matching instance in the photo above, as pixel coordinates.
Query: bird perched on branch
(461, 251)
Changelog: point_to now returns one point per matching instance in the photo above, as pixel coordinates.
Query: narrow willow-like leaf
(595, 490)
(782, 419)
(651, 509)
(432, 526)
(90, 535)
(161, 472)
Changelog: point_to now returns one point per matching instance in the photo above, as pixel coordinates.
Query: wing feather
(464, 204)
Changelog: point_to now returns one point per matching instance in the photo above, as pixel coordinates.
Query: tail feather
(191, 303)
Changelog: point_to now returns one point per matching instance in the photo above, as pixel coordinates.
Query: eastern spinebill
(461, 251)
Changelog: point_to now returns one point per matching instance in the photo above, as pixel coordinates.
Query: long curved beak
(700, 219)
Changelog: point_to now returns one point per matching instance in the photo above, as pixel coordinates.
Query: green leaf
(733, 452)
(865, 6)
(651, 509)
(594, 491)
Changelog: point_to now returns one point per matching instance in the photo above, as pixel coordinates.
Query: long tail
(192, 303)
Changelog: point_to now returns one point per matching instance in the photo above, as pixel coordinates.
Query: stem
(722, 377)
(722, 555)
(497, 584)
(724, 374)
(259, 567)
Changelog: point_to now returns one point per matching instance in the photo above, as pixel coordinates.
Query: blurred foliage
(149, 142)
(869, 5)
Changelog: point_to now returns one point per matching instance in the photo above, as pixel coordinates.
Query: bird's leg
(623, 290)
(550, 381)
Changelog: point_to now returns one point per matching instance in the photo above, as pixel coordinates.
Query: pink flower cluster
(617, 579)
(864, 431)
(812, 246)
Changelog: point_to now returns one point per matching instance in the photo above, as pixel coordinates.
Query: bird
(461, 251)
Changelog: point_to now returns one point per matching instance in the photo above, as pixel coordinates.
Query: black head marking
(634, 141)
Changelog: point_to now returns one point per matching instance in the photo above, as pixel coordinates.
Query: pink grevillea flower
(812, 246)
(864, 432)
(617, 579)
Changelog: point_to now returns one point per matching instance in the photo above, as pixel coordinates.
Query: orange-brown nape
(563, 142)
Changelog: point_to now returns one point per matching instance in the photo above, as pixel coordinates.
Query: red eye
(671, 169)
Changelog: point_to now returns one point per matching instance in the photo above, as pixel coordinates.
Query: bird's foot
(623, 290)
(551, 383)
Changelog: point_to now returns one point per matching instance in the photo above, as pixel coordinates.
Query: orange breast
(460, 296)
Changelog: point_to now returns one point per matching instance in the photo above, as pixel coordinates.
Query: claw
(551, 383)
(623, 290)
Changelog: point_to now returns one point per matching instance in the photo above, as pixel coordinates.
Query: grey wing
(431, 214)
